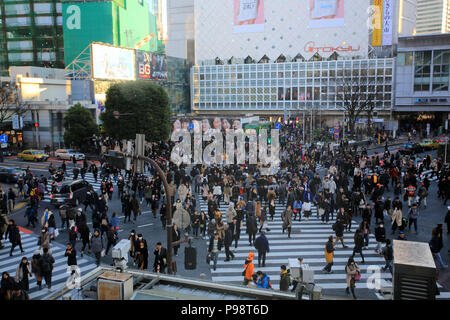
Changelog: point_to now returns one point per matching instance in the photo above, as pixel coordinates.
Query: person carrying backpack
(388, 254)
(263, 280)
(46, 264)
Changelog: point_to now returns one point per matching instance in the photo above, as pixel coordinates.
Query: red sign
(311, 47)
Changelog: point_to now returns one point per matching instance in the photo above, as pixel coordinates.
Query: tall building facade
(433, 16)
(31, 34)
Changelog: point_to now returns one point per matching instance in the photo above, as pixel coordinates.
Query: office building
(433, 16)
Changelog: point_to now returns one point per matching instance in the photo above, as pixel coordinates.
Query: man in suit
(235, 227)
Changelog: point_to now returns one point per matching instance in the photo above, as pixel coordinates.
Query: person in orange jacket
(249, 269)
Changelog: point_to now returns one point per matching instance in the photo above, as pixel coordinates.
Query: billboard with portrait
(248, 16)
(326, 13)
(110, 62)
(159, 67)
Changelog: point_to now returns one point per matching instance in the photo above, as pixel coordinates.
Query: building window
(441, 63)
(422, 69)
(405, 59)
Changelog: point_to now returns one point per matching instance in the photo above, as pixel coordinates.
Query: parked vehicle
(69, 192)
(9, 175)
(410, 148)
(33, 155)
(68, 154)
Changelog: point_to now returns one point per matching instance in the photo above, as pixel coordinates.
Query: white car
(68, 154)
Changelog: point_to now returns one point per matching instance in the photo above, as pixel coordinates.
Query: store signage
(387, 22)
(311, 47)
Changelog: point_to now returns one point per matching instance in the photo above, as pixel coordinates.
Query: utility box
(414, 271)
(301, 271)
(114, 286)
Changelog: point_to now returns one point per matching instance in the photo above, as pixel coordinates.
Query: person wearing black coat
(252, 227)
(7, 286)
(379, 207)
(160, 262)
(14, 236)
(359, 243)
(262, 245)
(228, 240)
(338, 228)
(84, 235)
(71, 255)
(380, 236)
(236, 231)
(111, 236)
(176, 236)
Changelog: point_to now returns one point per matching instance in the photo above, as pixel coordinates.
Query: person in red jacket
(410, 192)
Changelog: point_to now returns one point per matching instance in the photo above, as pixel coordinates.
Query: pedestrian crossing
(60, 273)
(308, 239)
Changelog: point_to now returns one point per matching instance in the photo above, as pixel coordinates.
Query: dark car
(410, 148)
(9, 175)
(69, 192)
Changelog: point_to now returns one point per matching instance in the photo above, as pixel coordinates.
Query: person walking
(71, 255)
(36, 268)
(160, 262)
(249, 269)
(23, 274)
(73, 237)
(359, 243)
(85, 235)
(351, 269)
(436, 246)
(252, 228)
(413, 214)
(397, 220)
(14, 236)
(285, 279)
(262, 245)
(46, 264)
(388, 254)
(329, 255)
(176, 236)
(97, 246)
(338, 228)
(135, 207)
(111, 238)
(287, 220)
(228, 240)
(380, 236)
(203, 223)
(215, 246)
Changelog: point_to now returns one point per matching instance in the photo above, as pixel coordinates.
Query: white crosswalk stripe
(308, 239)
(59, 274)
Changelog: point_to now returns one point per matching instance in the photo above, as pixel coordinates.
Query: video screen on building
(114, 63)
(150, 66)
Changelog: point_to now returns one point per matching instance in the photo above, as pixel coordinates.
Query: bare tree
(357, 94)
(10, 102)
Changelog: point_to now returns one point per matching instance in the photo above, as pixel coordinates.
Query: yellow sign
(376, 23)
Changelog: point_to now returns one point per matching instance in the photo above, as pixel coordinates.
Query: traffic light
(269, 140)
(36, 125)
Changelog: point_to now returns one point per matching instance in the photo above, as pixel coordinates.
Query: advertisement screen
(143, 65)
(326, 13)
(248, 16)
(112, 63)
(159, 67)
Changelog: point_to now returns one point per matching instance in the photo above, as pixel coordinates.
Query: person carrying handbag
(353, 272)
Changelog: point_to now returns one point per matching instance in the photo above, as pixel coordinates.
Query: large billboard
(84, 23)
(150, 66)
(113, 63)
(248, 16)
(257, 28)
(326, 13)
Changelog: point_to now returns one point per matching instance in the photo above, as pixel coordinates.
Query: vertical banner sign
(15, 122)
(377, 21)
(387, 23)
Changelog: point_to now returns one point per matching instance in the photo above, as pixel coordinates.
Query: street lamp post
(169, 205)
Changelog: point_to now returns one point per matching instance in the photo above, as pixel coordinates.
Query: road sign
(4, 145)
(3, 138)
(331, 130)
(277, 126)
(191, 126)
(336, 136)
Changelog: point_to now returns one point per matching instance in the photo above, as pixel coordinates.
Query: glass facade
(431, 70)
(31, 34)
(289, 85)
